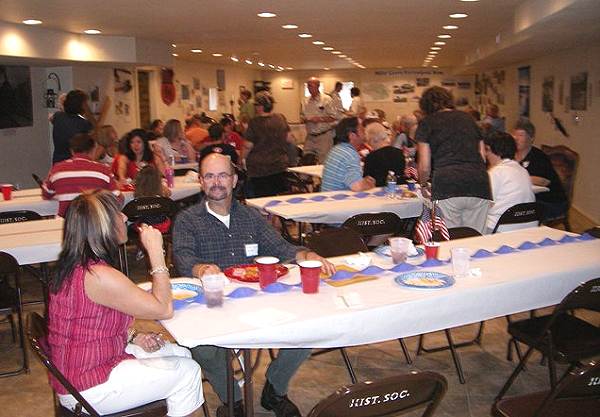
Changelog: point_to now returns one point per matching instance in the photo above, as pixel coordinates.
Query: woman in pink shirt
(92, 306)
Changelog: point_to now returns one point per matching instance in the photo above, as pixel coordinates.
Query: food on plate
(425, 282)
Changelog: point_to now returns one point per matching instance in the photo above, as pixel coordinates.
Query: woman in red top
(137, 155)
(92, 305)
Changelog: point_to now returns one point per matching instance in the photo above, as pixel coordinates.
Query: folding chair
(594, 231)
(565, 162)
(578, 394)
(18, 216)
(37, 333)
(560, 337)
(462, 233)
(10, 303)
(369, 225)
(520, 214)
(384, 397)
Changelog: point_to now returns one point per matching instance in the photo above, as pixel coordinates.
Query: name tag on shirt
(251, 249)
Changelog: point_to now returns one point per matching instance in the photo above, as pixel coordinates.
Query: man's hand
(199, 270)
(150, 342)
(327, 268)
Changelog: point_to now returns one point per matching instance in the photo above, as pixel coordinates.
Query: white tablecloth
(312, 170)
(509, 284)
(31, 199)
(336, 211)
(32, 242)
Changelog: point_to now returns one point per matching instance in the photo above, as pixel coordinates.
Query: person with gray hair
(319, 115)
(383, 157)
(407, 125)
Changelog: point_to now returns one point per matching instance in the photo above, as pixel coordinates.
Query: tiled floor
(485, 367)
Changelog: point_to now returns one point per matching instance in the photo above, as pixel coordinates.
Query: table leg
(248, 383)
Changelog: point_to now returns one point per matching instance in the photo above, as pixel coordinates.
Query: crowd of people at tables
(476, 171)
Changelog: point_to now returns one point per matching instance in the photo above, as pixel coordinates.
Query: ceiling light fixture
(458, 15)
(328, 48)
(92, 32)
(196, 51)
(289, 68)
(439, 43)
(326, 68)
(248, 62)
(336, 52)
(271, 66)
(266, 14)
(433, 52)
(32, 22)
(444, 36)
(305, 35)
(174, 54)
(174, 45)
(318, 43)
(290, 26)
(450, 27)
(260, 64)
(435, 48)
(342, 56)
(234, 59)
(217, 54)
(279, 67)
(435, 66)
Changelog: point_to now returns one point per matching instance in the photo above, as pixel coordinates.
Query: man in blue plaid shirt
(220, 232)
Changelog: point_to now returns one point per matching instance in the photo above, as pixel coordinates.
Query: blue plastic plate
(184, 290)
(424, 280)
(385, 251)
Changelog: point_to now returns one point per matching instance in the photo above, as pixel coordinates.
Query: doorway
(144, 98)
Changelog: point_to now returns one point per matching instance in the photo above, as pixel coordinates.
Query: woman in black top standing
(70, 122)
(451, 154)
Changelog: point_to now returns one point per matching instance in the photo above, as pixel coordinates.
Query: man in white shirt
(337, 101)
(509, 181)
(320, 117)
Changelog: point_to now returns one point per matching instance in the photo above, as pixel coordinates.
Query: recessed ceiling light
(92, 31)
(439, 43)
(217, 54)
(234, 59)
(248, 62)
(318, 43)
(458, 15)
(435, 48)
(433, 52)
(196, 51)
(342, 56)
(266, 14)
(279, 67)
(289, 68)
(305, 35)
(174, 54)
(435, 66)
(398, 66)
(174, 45)
(336, 52)
(326, 69)
(450, 27)
(271, 66)
(290, 26)
(32, 22)
(328, 48)
(260, 64)
(444, 36)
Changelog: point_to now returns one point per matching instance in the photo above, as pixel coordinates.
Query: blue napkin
(340, 196)
(372, 270)
(277, 287)
(379, 193)
(482, 253)
(547, 242)
(505, 249)
(432, 262)
(296, 200)
(403, 267)
(272, 203)
(242, 292)
(527, 245)
(362, 194)
(567, 239)
(318, 198)
(341, 275)
(586, 236)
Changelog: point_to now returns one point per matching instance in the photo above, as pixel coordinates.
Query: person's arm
(122, 169)
(186, 251)
(306, 255)
(535, 180)
(48, 190)
(424, 164)
(482, 150)
(113, 186)
(159, 163)
(107, 286)
(353, 177)
(363, 184)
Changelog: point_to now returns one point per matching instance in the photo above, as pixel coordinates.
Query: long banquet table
(32, 242)
(31, 198)
(509, 283)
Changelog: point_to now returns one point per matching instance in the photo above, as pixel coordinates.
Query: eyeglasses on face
(222, 176)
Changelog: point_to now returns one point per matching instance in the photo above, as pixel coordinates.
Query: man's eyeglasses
(222, 176)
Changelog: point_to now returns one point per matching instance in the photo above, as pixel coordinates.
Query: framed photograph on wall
(579, 91)
(548, 94)
(524, 86)
(16, 108)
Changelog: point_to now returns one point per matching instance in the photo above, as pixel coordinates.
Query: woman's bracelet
(159, 270)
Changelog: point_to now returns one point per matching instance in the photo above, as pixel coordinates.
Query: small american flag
(425, 227)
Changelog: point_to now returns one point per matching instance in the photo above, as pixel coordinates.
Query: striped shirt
(342, 168)
(69, 178)
(86, 340)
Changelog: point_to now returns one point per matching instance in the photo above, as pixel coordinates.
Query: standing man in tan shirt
(320, 116)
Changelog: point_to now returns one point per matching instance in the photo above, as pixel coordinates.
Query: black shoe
(280, 404)
(238, 410)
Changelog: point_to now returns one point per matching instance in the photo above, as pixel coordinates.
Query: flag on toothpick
(425, 228)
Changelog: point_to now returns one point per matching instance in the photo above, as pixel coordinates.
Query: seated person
(108, 144)
(384, 157)
(554, 202)
(92, 306)
(138, 154)
(67, 179)
(219, 232)
(231, 136)
(342, 170)
(197, 132)
(509, 181)
(149, 183)
(215, 144)
(174, 146)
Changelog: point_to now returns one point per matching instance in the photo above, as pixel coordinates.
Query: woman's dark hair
(90, 234)
(148, 182)
(74, 102)
(155, 123)
(215, 131)
(501, 144)
(148, 156)
(226, 121)
(354, 92)
(435, 99)
(344, 128)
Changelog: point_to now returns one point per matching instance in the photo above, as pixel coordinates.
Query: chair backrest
(37, 179)
(372, 224)
(462, 232)
(295, 184)
(385, 397)
(309, 159)
(18, 216)
(585, 296)
(10, 297)
(520, 213)
(37, 333)
(565, 162)
(335, 242)
(143, 207)
(594, 231)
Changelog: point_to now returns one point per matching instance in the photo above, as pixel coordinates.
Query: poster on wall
(185, 92)
(579, 91)
(123, 86)
(548, 94)
(195, 83)
(221, 79)
(15, 97)
(524, 82)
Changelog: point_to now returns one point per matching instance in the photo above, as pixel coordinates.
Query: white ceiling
(376, 33)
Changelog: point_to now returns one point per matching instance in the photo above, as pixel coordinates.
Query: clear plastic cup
(213, 289)
(460, 261)
(310, 272)
(267, 273)
(399, 247)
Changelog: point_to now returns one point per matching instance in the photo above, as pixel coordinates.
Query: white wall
(584, 137)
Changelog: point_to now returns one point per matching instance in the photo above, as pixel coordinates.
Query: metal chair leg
(455, 357)
(405, 351)
(514, 375)
(348, 365)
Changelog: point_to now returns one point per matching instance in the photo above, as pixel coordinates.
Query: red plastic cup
(310, 272)
(431, 250)
(7, 191)
(267, 273)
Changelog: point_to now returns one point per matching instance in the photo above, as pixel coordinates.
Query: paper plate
(249, 272)
(386, 251)
(184, 290)
(424, 280)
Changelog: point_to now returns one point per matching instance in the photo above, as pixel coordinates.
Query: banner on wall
(167, 88)
(524, 83)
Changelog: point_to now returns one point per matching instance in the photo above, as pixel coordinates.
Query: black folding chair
(18, 216)
(461, 233)
(369, 225)
(561, 336)
(519, 214)
(384, 397)
(578, 394)
(10, 304)
(37, 334)
(594, 231)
